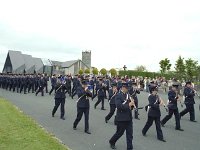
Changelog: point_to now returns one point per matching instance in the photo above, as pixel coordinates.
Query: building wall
(86, 58)
(69, 70)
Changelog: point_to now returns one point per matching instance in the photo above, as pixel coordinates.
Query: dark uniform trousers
(100, 99)
(58, 102)
(158, 127)
(136, 111)
(31, 87)
(169, 116)
(112, 111)
(40, 89)
(52, 88)
(121, 127)
(80, 112)
(189, 108)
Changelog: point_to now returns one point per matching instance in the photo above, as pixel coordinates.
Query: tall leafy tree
(191, 67)
(95, 71)
(113, 72)
(180, 68)
(80, 72)
(87, 71)
(165, 65)
(103, 71)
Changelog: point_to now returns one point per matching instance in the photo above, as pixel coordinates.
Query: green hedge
(131, 73)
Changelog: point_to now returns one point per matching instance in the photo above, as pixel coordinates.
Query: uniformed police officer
(101, 94)
(154, 113)
(83, 105)
(172, 107)
(41, 85)
(60, 97)
(123, 117)
(112, 94)
(53, 83)
(189, 94)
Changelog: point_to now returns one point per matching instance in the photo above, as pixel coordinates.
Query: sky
(118, 32)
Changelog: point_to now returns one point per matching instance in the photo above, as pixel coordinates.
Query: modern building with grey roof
(19, 63)
(72, 67)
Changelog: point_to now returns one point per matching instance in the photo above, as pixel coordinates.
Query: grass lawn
(19, 132)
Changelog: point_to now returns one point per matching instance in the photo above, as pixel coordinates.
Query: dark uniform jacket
(83, 101)
(172, 97)
(133, 92)
(154, 108)
(189, 95)
(124, 112)
(60, 90)
(112, 96)
(100, 90)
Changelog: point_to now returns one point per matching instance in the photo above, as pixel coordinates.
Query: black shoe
(112, 146)
(74, 128)
(52, 115)
(137, 118)
(162, 140)
(103, 109)
(179, 129)
(162, 124)
(193, 120)
(144, 134)
(88, 132)
(106, 120)
(63, 118)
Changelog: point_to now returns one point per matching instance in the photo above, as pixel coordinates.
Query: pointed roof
(38, 64)
(68, 64)
(16, 59)
(29, 62)
(56, 63)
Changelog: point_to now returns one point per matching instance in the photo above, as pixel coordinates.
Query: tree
(103, 71)
(80, 72)
(87, 71)
(141, 68)
(198, 72)
(191, 67)
(165, 65)
(180, 68)
(113, 72)
(95, 71)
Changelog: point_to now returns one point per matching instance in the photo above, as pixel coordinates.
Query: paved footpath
(39, 108)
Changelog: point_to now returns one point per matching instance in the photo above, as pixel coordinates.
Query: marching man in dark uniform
(53, 83)
(154, 113)
(60, 98)
(112, 94)
(172, 107)
(124, 122)
(101, 94)
(41, 85)
(189, 94)
(83, 105)
(133, 93)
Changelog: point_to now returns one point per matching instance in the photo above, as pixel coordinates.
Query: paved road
(39, 108)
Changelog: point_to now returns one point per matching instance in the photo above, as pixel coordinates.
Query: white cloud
(118, 32)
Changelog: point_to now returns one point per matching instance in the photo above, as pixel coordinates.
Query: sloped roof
(16, 59)
(38, 63)
(56, 63)
(29, 61)
(67, 64)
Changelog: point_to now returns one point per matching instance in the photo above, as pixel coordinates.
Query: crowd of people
(120, 91)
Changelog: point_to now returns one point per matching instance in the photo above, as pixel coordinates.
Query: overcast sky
(131, 33)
